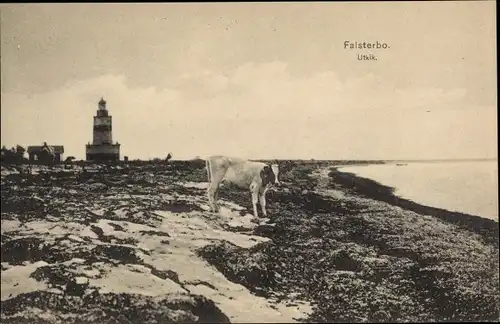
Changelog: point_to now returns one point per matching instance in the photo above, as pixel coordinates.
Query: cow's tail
(209, 173)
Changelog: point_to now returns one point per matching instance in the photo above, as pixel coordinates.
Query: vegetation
(345, 244)
(13, 156)
(360, 260)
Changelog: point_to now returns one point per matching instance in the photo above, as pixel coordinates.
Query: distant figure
(68, 162)
(169, 156)
(258, 177)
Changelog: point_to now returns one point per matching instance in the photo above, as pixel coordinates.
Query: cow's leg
(213, 195)
(210, 197)
(209, 187)
(216, 199)
(213, 190)
(262, 200)
(255, 198)
(214, 180)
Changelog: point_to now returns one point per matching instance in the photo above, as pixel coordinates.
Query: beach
(469, 187)
(136, 243)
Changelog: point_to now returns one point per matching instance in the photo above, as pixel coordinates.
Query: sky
(254, 80)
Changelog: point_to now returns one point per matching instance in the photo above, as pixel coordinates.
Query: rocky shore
(136, 244)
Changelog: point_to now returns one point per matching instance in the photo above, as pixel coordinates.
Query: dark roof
(102, 101)
(35, 149)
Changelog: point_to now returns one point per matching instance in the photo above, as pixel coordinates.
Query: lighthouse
(102, 147)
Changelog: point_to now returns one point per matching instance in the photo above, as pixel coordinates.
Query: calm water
(468, 187)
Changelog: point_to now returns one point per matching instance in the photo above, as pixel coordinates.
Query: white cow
(256, 176)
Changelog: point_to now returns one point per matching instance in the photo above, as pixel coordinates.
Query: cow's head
(269, 175)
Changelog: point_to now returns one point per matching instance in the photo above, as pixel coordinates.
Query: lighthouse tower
(102, 147)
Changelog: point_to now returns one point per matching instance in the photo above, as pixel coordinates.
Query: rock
(18, 204)
(98, 186)
(31, 249)
(111, 308)
(266, 230)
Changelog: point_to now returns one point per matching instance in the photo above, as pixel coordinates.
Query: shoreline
(400, 189)
(359, 259)
(373, 189)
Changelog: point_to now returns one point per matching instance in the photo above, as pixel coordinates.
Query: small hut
(36, 152)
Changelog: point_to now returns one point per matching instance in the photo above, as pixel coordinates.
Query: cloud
(256, 110)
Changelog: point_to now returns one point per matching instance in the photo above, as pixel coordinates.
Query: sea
(469, 187)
